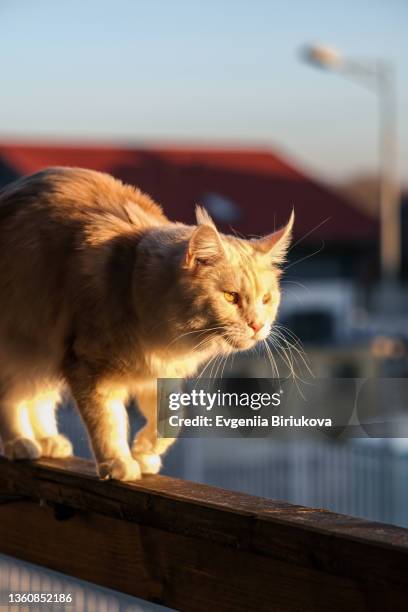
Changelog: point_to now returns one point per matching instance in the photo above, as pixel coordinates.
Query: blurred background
(249, 108)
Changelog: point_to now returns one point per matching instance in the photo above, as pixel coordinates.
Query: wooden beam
(191, 546)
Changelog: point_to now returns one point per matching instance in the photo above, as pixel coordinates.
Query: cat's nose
(255, 325)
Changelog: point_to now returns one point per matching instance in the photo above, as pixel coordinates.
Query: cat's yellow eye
(231, 297)
(266, 298)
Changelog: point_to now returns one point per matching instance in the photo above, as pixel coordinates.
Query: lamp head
(321, 56)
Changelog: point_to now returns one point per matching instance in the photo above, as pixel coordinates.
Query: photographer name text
(253, 421)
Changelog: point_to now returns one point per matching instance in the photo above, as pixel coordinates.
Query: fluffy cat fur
(101, 294)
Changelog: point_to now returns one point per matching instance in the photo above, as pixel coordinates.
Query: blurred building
(251, 191)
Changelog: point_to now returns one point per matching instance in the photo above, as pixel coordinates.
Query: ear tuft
(276, 244)
(202, 217)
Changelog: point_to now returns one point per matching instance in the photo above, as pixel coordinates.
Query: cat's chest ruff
(144, 364)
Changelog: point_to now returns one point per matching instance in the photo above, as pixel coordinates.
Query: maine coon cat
(101, 294)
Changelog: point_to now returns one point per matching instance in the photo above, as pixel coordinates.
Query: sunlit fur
(101, 294)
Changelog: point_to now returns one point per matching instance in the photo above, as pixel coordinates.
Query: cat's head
(231, 285)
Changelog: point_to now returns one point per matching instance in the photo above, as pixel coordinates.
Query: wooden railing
(194, 547)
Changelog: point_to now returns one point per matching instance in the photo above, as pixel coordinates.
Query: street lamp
(378, 77)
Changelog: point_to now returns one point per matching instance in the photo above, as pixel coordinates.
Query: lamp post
(378, 77)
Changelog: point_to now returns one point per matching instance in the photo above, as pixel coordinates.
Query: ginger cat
(100, 293)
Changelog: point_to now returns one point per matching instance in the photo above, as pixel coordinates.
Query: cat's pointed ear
(203, 218)
(204, 247)
(276, 244)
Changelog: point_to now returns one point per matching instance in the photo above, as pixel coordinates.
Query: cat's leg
(16, 431)
(147, 447)
(104, 414)
(42, 411)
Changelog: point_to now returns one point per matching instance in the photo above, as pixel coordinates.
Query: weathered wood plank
(190, 546)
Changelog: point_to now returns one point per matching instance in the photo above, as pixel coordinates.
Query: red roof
(262, 185)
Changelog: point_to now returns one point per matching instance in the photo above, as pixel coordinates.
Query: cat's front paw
(56, 446)
(22, 448)
(150, 463)
(120, 468)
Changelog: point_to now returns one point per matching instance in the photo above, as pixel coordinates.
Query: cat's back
(65, 194)
(52, 224)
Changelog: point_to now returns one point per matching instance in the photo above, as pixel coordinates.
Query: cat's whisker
(217, 365)
(201, 374)
(285, 352)
(296, 346)
(289, 362)
(289, 332)
(265, 353)
(207, 366)
(272, 360)
(294, 263)
(286, 355)
(291, 282)
(297, 284)
(232, 361)
(212, 360)
(223, 365)
(277, 338)
(308, 233)
(297, 297)
(195, 331)
(296, 353)
(216, 360)
(202, 345)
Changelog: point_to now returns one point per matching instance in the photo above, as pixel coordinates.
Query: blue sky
(224, 71)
